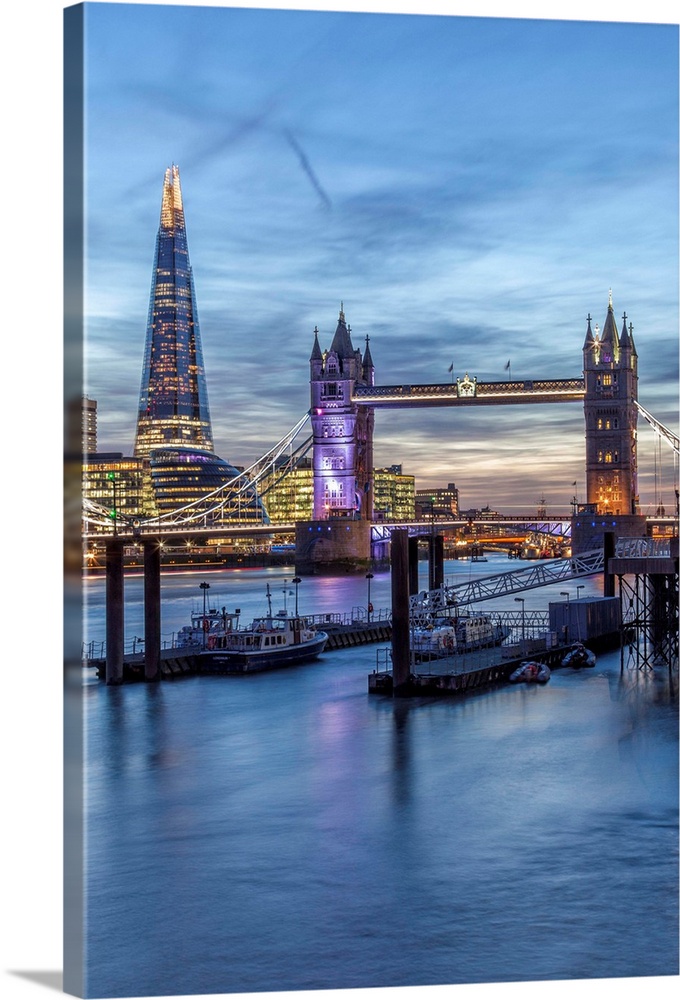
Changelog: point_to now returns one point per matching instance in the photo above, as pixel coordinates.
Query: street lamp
(565, 593)
(579, 588)
(205, 587)
(369, 606)
(520, 600)
(297, 581)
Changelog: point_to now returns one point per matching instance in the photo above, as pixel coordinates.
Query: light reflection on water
(287, 831)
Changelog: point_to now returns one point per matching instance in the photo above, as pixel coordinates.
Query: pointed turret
(590, 339)
(368, 368)
(316, 354)
(626, 340)
(342, 342)
(610, 335)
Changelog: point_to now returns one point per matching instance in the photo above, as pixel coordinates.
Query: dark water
(287, 831)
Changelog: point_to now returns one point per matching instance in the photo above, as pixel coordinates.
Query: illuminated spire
(173, 399)
(610, 335)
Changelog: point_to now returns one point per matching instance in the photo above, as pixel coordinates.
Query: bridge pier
(336, 545)
(115, 611)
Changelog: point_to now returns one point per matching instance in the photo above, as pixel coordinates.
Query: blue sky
(469, 188)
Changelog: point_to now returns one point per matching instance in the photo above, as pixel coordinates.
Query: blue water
(288, 831)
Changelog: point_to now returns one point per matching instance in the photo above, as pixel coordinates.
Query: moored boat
(446, 636)
(433, 643)
(478, 631)
(270, 642)
(530, 672)
(579, 656)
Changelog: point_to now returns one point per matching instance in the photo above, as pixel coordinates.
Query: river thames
(287, 831)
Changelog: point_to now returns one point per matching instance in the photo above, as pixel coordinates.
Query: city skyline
(470, 189)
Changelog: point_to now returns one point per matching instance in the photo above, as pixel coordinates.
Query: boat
(447, 636)
(433, 642)
(269, 642)
(203, 625)
(478, 631)
(531, 672)
(578, 656)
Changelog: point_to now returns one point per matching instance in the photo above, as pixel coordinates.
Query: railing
(358, 616)
(487, 587)
(643, 548)
(469, 389)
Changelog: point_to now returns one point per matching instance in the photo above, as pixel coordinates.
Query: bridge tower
(342, 430)
(338, 537)
(611, 388)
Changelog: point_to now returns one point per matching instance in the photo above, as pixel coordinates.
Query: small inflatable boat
(531, 673)
(578, 656)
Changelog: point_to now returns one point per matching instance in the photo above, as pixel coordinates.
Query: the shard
(173, 400)
(174, 431)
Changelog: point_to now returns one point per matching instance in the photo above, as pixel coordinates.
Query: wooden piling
(609, 553)
(152, 609)
(401, 651)
(115, 612)
(413, 564)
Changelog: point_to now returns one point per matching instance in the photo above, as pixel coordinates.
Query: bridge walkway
(426, 603)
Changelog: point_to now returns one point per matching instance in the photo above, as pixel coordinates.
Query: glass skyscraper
(174, 431)
(173, 400)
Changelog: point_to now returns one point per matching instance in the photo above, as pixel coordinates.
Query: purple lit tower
(342, 430)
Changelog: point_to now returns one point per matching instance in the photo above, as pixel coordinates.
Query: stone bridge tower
(611, 388)
(338, 538)
(342, 430)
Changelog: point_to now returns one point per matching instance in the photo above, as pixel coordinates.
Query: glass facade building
(192, 479)
(173, 399)
(121, 484)
(394, 495)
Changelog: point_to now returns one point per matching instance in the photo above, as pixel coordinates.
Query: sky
(470, 188)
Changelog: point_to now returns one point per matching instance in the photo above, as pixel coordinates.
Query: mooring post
(115, 612)
(609, 553)
(401, 645)
(152, 609)
(413, 564)
(438, 562)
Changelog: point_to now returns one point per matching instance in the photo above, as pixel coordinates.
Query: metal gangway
(427, 603)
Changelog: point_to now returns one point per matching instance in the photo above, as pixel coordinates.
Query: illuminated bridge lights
(468, 391)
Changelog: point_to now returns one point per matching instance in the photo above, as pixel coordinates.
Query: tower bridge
(195, 491)
(345, 397)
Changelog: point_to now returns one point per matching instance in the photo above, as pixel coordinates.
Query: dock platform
(456, 675)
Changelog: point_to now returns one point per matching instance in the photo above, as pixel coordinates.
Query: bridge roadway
(469, 392)
(558, 526)
(380, 531)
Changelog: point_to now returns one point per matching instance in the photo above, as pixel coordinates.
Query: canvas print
(371, 500)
